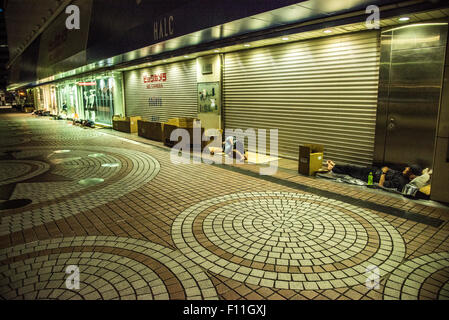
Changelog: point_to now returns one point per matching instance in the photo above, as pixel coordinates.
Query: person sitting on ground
(233, 148)
(385, 177)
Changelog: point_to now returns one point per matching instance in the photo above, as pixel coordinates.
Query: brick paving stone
(143, 234)
(276, 296)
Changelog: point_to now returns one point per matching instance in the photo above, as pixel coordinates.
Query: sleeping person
(385, 177)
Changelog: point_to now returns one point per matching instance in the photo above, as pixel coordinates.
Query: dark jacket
(395, 180)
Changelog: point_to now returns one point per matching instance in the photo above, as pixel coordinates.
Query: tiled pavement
(140, 227)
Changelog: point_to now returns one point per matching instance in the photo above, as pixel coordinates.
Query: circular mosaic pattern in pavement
(287, 240)
(425, 277)
(19, 134)
(7, 141)
(19, 170)
(115, 268)
(67, 134)
(57, 200)
(90, 181)
(14, 204)
(96, 155)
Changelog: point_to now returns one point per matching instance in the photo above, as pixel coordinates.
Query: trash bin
(310, 158)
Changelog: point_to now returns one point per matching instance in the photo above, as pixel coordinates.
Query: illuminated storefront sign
(154, 80)
(162, 77)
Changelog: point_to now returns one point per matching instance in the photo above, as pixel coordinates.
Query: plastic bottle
(370, 179)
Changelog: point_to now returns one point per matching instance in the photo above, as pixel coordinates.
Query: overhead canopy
(121, 32)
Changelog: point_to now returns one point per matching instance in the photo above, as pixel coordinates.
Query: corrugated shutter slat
(178, 94)
(316, 91)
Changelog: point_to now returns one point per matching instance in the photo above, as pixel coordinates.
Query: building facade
(318, 73)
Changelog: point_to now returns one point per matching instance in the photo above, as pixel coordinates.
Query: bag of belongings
(417, 188)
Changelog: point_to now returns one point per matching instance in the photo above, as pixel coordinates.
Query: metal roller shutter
(317, 91)
(177, 97)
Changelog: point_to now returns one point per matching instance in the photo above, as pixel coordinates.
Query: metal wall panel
(319, 91)
(412, 62)
(178, 95)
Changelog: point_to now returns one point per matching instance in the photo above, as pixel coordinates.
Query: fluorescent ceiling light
(404, 19)
(327, 31)
(285, 38)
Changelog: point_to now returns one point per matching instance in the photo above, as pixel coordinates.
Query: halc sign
(164, 28)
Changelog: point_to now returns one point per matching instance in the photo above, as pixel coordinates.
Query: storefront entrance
(94, 98)
(68, 105)
(97, 99)
(321, 91)
(162, 92)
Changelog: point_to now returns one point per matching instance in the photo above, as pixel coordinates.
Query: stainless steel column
(440, 178)
(412, 60)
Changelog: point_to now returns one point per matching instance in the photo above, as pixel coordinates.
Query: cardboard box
(215, 141)
(168, 129)
(128, 124)
(150, 130)
(133, 123)
(182, 122)
(310, 158)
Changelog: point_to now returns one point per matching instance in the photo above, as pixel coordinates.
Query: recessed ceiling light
(285, 38)
(327, 31)
(247, 45)
(404, 19)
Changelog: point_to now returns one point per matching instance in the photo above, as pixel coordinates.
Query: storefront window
(98, 101)
(91, 98)
(68, 100)
(44, 98)
(53, 102)
(40, 99)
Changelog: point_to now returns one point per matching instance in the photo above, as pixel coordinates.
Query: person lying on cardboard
(233, 148)
(385, 177)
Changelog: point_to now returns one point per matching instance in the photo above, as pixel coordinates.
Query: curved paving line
(388, 254)
(406, 280)
(195, 281)
(35, 168)
(434, 222)
(144, 169)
